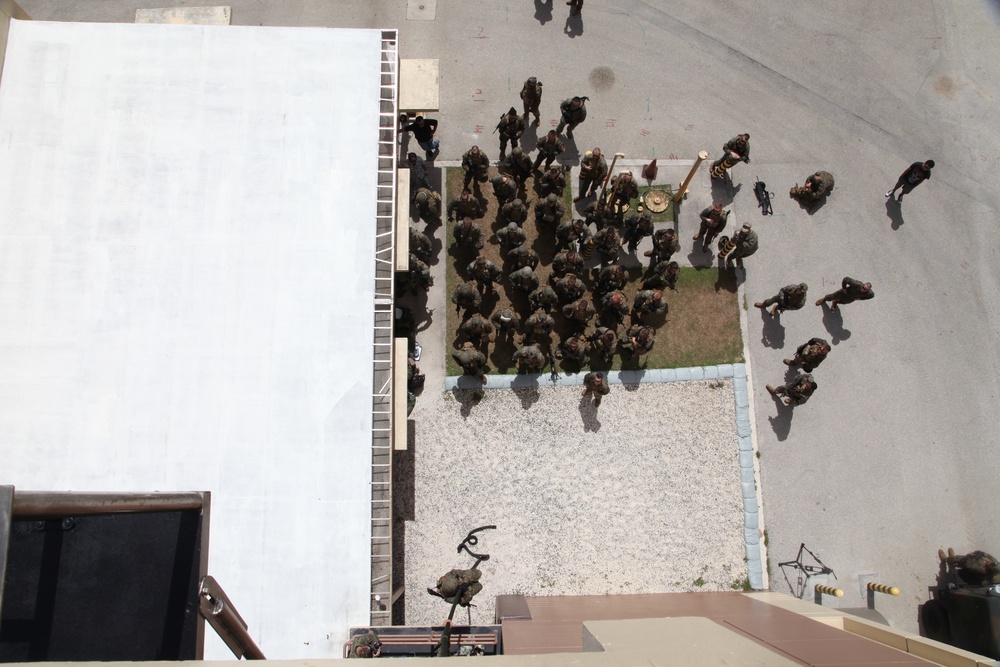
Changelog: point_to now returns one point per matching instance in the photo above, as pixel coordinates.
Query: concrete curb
(755, 553)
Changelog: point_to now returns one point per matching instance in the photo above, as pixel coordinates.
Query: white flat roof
(187, 235)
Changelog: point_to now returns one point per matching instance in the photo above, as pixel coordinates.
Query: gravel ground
(639, 496)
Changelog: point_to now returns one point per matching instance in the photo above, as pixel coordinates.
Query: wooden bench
(402, 640)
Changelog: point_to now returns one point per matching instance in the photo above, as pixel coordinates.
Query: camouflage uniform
(518, 165)
(549, 211)
(477, 329)
(476, 164)
(614, 307)
(648, 302)
(740, 144)
(567, 261)
(596, 384)
(604, 342)
(514, 211)
(627, 190)
(637, 227)
(817, 186)
(484, 272)
(639, 339)
(458, 585)
(665, 244)
(975, 569)
(549, 148)
(797, 391)
(746, 245)
(789, 297)
(419, 275)
(713, 221)
(504, 188)
(529, 358)
(664, 275)
(553, 182)
(471, 360)
(851, 290)
(465, 206)
(810, 355)
(544, 297)
(511, 127)
(367, 640)
(420, 245)
(579, 312)
(593, 170)
(511, 236)
(523, 279)
(539, 324)
(608, 243)
(573, 112)
(522, 256)
(468, 235)
(571, 231)
(600, 215)
(428, 205)
(569, 288)
(506, 323)
(531, 95)
(572, 349)
(466, 296)
(610, 278)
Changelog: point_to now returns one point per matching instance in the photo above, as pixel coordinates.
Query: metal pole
(220, 613)
(40, 504)
(607, 178)
(702, 156)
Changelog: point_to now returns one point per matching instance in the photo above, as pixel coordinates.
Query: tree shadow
(543, 11)
(781, 423)
(773, 332)
(833, 320)
(588, 413)
(894, 211)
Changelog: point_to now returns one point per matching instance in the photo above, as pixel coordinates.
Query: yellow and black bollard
(829, 590)
(726, 246)
(874, 588)
(723, 164)
(588, 248)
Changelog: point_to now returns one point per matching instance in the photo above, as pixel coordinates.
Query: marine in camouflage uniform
(600, 215)
(573, 111)
(419, 275)
(466, 297)
(573, 349)
(569, 288)
(789, 297)
(529, 358)
(465, 206)
(638, 340)
(624, 189)
(518, 165)
(522, 256)
(851, 290)
(471, 360)
(746, 245)
(539, 325)
(816, 187)
(594, 383)
(468, 235)
(523, 279)
(553, 182)
(511, 236)
(648, 302)
(713, 221)
(420, 245)
(506, 323)
(593, 170)
(549, 211)
(476, 329)
(531, 96)
(610, 278)
(428, 205)
(580, 312)
(514, 211)
(569, 232)
(504, 188)
(795, 392)
(608, 244)
(604, 342)
(809, 355)
(664, 275)
(364, 642)
(637, 227)
(544, 298)
(511, 127)
(665, 244)
(549, 148)
(567, 261)
(485, 273)
(614, 307)
(476, 165)
(458, 586)
(975, 569)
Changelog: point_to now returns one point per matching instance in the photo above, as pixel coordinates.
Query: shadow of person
(723, 190)
(543, 11)
(773, 332)
(810, 207)
(895, 212)
(574, 26)
(468, 394)
(781, 423)
(588, 413)
(833, 320)
(528, 395)
(700, 258)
